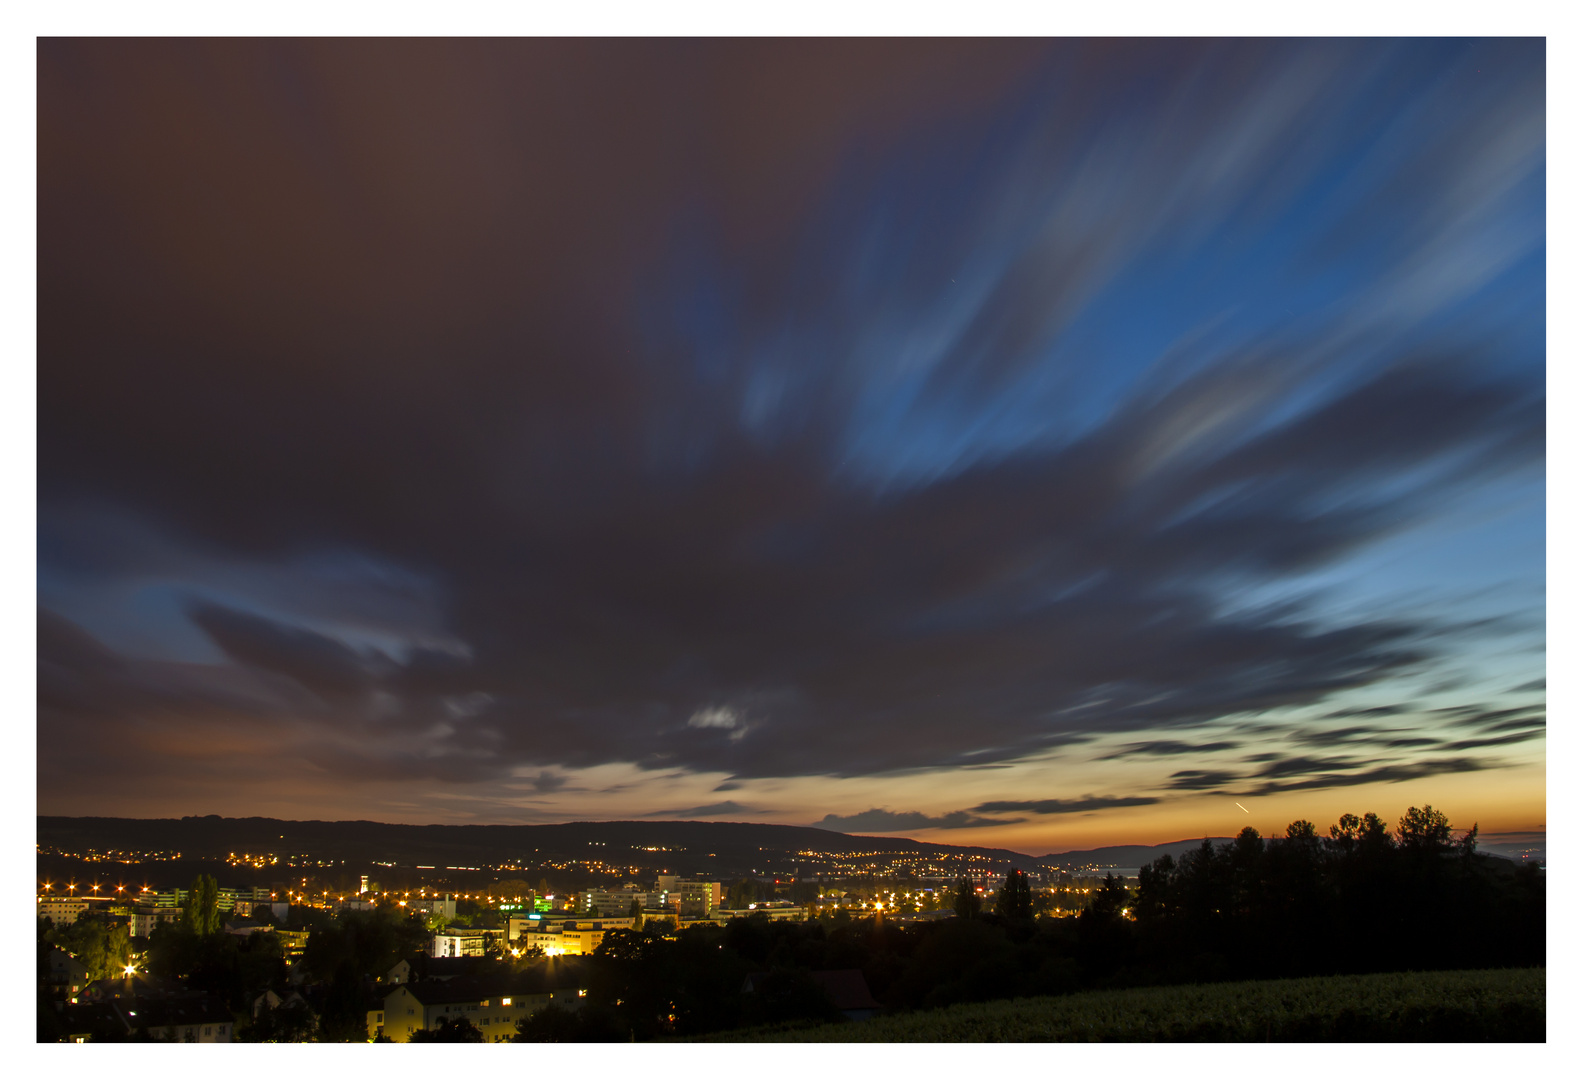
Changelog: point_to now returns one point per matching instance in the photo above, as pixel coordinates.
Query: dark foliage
(1015, 898)
(347, 955)
(293, 1023)
(232, 968)
(968, 903)
(458, 1030)
(1361, 900)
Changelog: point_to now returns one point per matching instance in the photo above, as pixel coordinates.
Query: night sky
(1030, 443)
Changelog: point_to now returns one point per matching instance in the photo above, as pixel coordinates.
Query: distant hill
(682, 846)
(1126, 854)
(685, 846)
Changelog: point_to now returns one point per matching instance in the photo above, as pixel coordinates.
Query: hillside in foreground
(1505, 1005)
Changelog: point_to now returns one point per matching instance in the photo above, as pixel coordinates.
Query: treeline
(1361, 899)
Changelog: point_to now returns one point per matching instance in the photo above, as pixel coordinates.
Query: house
(449, 967)
(66, 972)
(97, 1021)
(126, 988)
(294, 942)
(268, 1001)
(188, 1018)
(401, 973)
(492, 1004)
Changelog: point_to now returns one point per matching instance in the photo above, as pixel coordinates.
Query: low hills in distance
(680, 846)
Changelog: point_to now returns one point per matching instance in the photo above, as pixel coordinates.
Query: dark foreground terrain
(1505, 1005)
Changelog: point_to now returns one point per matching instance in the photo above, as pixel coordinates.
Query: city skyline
(1036, 444)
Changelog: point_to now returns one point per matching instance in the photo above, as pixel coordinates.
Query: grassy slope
(1446, 1006)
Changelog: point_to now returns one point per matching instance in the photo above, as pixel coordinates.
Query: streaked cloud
(787, 417)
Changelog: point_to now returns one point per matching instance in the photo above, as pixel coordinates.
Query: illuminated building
(493, 1006)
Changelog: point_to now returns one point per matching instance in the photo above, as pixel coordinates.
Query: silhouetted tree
(968, 903)
(292, 1023)
(741, 893)
(1424, 830)
(201, 913)
(1015, 899)
(1110, 899)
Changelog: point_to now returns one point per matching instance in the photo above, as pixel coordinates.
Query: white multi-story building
(437, 905)
(698, 898)
(61, 909)
(463, 941)
(569, 937)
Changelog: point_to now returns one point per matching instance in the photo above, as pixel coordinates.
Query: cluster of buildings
(671, 895)
(145, 909)
(491, 1003)
(116, 1009)
(451, 985)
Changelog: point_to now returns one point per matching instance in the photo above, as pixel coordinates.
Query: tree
(1109, 900)
(635, 909)
(741, 893)
(344, 1018)
(1469, 841)
(1302, 832)
(201, 913)
(968, 903)
(1015, 899)
(294, 1023)
(100, 946)
(1373, 834)
(513, 889)
(1424, 830)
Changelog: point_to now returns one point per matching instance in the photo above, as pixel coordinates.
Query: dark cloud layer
(886, 821)
(1064, 806)
(710, 405)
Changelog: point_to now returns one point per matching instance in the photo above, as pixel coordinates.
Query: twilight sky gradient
(1040, 444)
